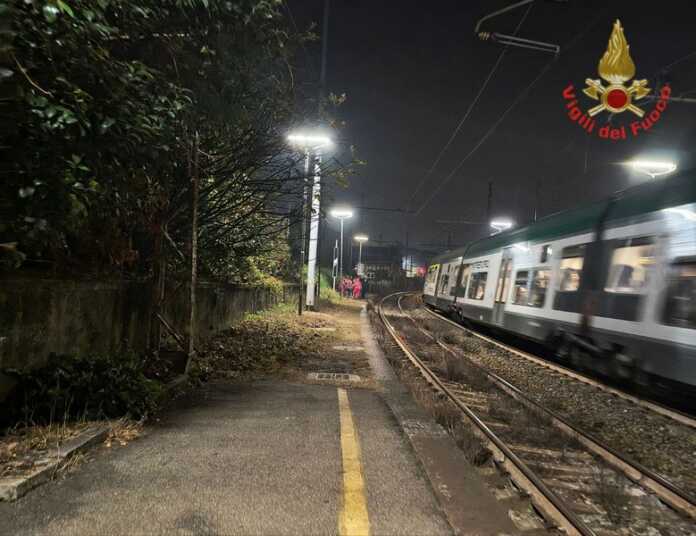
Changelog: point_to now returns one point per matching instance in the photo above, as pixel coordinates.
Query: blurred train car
(609, 286)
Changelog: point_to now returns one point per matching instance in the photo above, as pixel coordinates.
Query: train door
(502, 287)
(443, 280)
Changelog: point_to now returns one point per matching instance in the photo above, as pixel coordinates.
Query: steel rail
(551, 504)
(673, 414)
(667, 491)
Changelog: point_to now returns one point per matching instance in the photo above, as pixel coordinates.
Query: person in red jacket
(348, 287)
(357, 288)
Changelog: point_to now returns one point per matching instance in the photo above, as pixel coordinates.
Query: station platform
(277, 457)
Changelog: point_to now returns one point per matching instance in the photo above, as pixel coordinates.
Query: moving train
(609, 286)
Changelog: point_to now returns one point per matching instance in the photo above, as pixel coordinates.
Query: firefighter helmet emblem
(616, 67)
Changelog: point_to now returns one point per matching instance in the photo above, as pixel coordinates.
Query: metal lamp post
(360, 239)
(311, 143)
(341, 214)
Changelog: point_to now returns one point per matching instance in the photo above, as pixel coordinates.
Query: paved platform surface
(273, 457)
(257, 459)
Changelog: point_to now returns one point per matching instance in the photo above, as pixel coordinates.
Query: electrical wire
(469, 109)
(520, 97)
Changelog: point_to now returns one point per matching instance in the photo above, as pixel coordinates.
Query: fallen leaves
(255, 345)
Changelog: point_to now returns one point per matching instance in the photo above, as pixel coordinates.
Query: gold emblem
(616, 67)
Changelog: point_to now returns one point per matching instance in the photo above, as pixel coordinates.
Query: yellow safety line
(353, 520)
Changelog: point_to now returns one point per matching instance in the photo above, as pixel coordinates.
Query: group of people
(350, 287)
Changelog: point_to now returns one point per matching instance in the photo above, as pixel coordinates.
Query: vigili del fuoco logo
(616, 68)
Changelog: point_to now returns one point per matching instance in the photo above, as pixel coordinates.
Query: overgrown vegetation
(82, 387)
(111, 110)
(113, 106)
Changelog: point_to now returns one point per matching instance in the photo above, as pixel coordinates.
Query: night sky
(410, 69)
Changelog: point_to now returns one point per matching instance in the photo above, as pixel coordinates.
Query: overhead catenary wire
(466, 115)
(520, 97)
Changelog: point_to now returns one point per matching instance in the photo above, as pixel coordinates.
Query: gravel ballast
(656, 441)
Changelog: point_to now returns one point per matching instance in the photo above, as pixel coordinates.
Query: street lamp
(310, 143)
(309, 140)
(360, 238)
(654, 168)
(500, 225)
(341, 213)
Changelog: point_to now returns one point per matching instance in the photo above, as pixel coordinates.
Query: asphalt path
(262, 459)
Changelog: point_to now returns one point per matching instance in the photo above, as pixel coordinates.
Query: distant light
(309, 140)
(654, 168)
(361, 238)
(341, 213)
(500, 225)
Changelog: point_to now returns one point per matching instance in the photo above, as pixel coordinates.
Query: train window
(530, 287)
(631, 265)
(546, 253)
(520, 294)
(466, 272)
(680, 306)
(443, 284)
(477, 286)
(572, 260)
(457, 279)
(539, 284)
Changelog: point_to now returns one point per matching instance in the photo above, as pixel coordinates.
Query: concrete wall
(43, 316)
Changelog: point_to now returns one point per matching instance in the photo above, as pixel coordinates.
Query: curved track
(532, 467)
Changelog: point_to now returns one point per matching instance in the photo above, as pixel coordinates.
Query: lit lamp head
(341, 213)
(654, 168)
(500, 225)
(361, 238)
(306, 140)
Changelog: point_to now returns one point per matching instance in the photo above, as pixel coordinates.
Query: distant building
(393, 266)
(414, 262)
(381, 263)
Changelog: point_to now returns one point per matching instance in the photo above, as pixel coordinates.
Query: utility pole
(313, 264)
(300, 295)
(340, 255)
(334, 264)
(315, 207)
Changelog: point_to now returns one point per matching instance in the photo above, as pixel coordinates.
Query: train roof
(627, 206)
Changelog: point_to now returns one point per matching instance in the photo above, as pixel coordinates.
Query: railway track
(661, 409)
(579, 485)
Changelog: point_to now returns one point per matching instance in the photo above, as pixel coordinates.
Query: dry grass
(613, 497)
(454, 368)
(499, 409)
(452, 337)
(123, 431)
(21, 446)
(470, 444)
(477, 379)
(445, 413)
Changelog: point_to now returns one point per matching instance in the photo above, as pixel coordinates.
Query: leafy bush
(75, 387)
